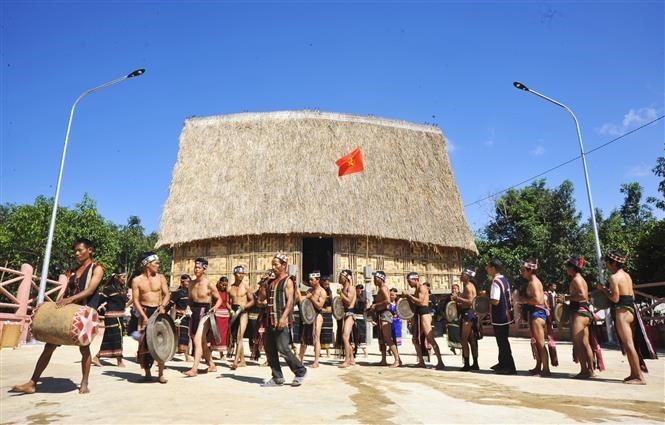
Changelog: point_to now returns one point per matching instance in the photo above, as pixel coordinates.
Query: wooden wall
(438, 265)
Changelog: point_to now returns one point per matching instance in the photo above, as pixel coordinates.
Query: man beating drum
(150, 293)
(81, 289)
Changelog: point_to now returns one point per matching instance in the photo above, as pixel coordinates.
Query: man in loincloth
(201, 294)
(311, 334)
(241, 301)
(348, 295)
(384, 319)
(81, 289)
(180, 301)
(150, 293)
(536, 305)
(502, 316)
(583, 330)
(279, 296)
(468, 319)
(634, 342)
(222, 318)
(422, 321)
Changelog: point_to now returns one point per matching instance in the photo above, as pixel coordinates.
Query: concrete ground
(362, 394)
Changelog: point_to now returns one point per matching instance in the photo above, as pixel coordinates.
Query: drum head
(213, 326)
(160, 336)
(370, 316)
(338, 308)
(599, 300)
(307, 312)
(404, 309)
(565, 315)
(481, 305)
(451, 311)
(558, 313)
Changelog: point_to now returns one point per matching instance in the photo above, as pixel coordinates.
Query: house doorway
(317, 254)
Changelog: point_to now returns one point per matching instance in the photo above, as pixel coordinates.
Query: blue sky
(448, 63)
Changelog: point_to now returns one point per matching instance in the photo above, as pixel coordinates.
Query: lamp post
(49, 240)
(599, 256)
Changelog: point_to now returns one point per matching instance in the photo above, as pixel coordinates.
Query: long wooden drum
(72, 324)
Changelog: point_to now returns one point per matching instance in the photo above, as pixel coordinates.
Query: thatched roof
(275, 173)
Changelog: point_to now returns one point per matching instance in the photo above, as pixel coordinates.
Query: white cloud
(538, 150)
(641, 170)
(633, 118)
(489, 142)
(450, 146)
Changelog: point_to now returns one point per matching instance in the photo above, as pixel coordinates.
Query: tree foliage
(24, 229)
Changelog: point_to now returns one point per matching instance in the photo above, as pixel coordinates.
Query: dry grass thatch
(258, 173)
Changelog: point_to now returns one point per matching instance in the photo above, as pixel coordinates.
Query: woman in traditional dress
(113, 302)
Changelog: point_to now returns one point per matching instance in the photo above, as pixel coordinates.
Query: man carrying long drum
(81, 289)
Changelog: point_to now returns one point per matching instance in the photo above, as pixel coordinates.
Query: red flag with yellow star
(351, 163)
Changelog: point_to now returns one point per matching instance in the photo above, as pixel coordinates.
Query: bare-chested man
(385, 319)
(241, 300)
(150, 294)
(468, 319)
(348, 295)
(422, 321)
(582, 318)
(634, 342)
(538, 313)
(81, 289)
(201, 294)
(311, 334)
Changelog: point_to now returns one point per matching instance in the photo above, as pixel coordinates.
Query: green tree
(659, 171)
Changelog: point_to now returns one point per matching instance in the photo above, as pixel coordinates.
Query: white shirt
(495, 291)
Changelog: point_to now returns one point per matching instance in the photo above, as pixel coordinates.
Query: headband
(379, 274)
(202, 262)
(412, 276)
(316, 275)
(469, 272)
(530, 266)
(576, 262)
(346, 273)
(149, 259)
(616, 256)
(282, 257)
(238, 269)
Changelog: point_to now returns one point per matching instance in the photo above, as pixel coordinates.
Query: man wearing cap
(348, 295)
(583, 332)
(278, 295)
(633, 340)
(422, 321)
(502, 316)
(150, 293)
(311, 334)
(241, 300)
(468, 319)
(538, 317)
(385, 319)
(201, 294)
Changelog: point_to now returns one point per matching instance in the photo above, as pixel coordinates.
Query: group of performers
(268, 312)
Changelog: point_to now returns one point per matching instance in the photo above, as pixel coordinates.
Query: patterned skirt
(113, 330)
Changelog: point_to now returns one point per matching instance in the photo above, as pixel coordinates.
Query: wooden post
(23, 293)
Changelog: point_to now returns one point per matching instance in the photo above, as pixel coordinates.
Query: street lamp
(49, 240)
(594, 226)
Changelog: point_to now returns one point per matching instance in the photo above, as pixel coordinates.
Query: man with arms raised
(278, 295)
(201, 293)
(422, 321)
(241, 301)
(150, 294)
(468, 319)
(385, 319)
(81, 289)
